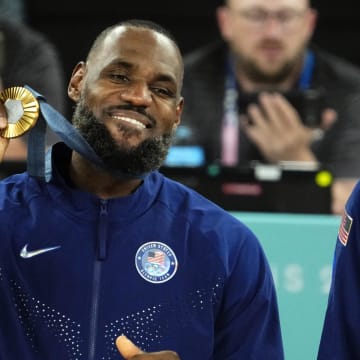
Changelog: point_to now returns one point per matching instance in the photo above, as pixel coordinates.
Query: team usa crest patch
(156, 262)
(345, 227)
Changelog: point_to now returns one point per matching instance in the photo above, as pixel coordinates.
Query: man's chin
(128, 137)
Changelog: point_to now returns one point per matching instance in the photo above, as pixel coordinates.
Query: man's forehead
(134, 45)
(144, 36)
(137, 41)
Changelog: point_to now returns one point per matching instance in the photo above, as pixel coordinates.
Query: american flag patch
(156, 257)
(345, 226)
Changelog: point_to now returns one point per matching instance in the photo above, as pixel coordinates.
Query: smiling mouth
(136, 123)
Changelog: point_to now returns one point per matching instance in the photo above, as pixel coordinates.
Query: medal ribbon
(67, 133)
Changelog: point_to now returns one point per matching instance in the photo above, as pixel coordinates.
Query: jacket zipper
(100, 256)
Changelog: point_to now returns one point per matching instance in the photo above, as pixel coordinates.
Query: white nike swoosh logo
(25, 254)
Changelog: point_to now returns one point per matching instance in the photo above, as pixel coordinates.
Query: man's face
(129, 103)
(267, 37)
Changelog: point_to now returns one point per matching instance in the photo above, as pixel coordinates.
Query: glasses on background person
(258, 18)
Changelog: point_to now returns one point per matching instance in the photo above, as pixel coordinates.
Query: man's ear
(76, 81)
(179, 109)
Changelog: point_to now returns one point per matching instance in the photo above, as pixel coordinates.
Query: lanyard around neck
(68, 134)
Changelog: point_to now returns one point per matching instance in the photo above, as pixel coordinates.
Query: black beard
(131, 162)
(259, 76)
(250, 68)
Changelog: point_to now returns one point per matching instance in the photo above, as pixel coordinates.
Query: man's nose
(137, 93)
(273, 26)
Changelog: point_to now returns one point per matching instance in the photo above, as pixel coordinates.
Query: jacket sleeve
(248, 325)
(340, 336)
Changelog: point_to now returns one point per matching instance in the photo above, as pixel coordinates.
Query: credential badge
(156, 262)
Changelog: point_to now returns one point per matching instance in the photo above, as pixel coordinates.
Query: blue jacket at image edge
(340, 335)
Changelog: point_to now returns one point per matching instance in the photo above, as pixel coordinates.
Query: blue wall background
(300, 251)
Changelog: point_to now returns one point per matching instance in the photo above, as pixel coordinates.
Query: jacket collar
(87, 205)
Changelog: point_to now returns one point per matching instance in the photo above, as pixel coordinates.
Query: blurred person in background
(14, 9)
(27, 57)
(249, 95)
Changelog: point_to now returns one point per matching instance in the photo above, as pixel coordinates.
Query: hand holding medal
(19, 111)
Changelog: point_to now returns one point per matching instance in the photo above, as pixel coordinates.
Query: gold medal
(22, 110)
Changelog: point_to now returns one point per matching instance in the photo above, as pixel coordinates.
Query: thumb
(126, 347)
(4, 142)
(328, 118)
(3, 146)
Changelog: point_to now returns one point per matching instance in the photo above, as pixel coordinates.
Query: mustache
(271, 42)
(139, 109)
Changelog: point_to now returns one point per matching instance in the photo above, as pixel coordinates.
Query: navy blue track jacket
(341, 331)
(164, 266)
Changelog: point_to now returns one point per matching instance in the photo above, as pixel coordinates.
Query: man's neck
(249, 85)
(87, 177)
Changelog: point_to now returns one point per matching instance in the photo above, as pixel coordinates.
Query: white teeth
(131, 121)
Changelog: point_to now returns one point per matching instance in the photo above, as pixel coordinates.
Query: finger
(328, 117)
(3, 122)
(282, 112)
(272, 111)
(256, 117)
(4, 143)
(127, 348)
(257, 130)
(3, 116)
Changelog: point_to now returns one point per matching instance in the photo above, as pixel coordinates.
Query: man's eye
(120, 77)
(163, 91)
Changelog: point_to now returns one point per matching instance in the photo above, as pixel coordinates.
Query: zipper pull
(102, 230)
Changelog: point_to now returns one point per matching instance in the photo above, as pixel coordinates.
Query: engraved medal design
(22, 110)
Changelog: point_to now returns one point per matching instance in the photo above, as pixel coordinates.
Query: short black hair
(151, 25)
(139, 23)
